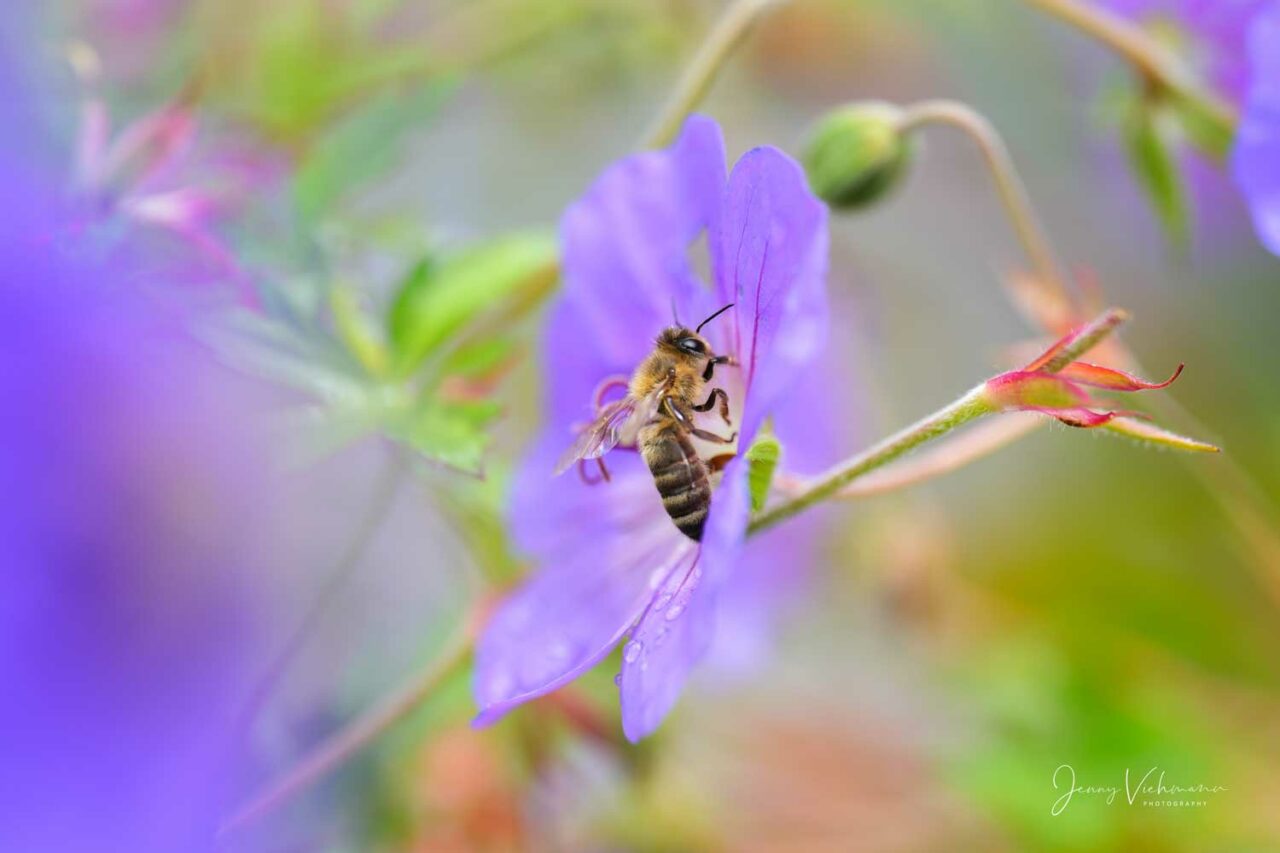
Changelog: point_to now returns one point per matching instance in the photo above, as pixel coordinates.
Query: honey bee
(656, 417)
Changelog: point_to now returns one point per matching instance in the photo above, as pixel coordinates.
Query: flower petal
(1078, 417)
(676, 630)
(593, 582)
(769, 256)
(1113, 380)
(148, 146)
(625, 249)
(1255, 159)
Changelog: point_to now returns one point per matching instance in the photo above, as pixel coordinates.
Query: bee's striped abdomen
(681, 478)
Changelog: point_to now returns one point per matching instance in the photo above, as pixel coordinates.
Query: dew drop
(632, 652)
(663, 601)
(675, 611)
(617, 680)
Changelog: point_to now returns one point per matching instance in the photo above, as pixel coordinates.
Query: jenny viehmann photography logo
(1147, 787)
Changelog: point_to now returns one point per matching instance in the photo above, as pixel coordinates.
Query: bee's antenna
(675, 318)
(712, 317)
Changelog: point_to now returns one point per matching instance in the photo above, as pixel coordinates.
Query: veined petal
(1112, 379)
(769, 257)
(601, 550)
(676, 629)
(625, 248)
(1255, 160)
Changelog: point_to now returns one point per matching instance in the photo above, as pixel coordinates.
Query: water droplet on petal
(617, 680)
(632, 652)
(663, 601)
(675, 611)
(662, 635)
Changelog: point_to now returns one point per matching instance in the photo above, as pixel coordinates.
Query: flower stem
(1009, 185)
(693, 86)
(949, 455)
(969, 407)
(1147, 56)
(338, 749)
(376, 510)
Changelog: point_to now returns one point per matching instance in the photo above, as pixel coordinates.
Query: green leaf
(1206, 128)
(1149, 140)
(363, 146)
(478, 359)
(437, 301)
(361, 335)
(762, 461)
(451, 433)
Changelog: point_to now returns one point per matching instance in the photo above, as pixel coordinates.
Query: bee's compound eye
(691, 345)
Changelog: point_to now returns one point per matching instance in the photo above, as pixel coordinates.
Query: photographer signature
(1143, 790)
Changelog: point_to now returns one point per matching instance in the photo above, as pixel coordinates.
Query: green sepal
(1149, 135)
(762, 461)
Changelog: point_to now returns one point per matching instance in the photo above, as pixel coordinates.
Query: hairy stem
(338, 749)
(693, 86)
(1147, 56)
(1009, 185)
(949, 455)
(969, 407)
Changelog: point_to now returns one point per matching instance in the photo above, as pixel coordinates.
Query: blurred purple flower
(129, 497)
(1255, 159)
(611, 561)
(1216, 31)
(153, 173)
(1236, 44)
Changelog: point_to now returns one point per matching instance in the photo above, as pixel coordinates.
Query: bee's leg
(711, 365)
(705, 435)
(591, 481)
(717, 463)
(716, 393)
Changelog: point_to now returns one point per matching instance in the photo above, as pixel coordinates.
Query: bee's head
(684, 342)
(687, 342)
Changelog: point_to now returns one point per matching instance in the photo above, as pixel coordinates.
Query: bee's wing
(614, 421)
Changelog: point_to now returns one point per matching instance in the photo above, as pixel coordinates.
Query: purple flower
(155, 174)
(129, 496)
(1236, 44)
(611, 562)
(1216, 30)
(1255, 159)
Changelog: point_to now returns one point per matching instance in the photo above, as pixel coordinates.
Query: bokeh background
(1074, 599)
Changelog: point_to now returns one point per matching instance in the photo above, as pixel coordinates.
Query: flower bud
(856, 154)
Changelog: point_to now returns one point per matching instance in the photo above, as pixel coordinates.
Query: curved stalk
(385, 490)
(724, 38)
(1013, 193)
(343, 745)
(1148, 57)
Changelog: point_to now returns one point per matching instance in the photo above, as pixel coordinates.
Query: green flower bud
(856, 154)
